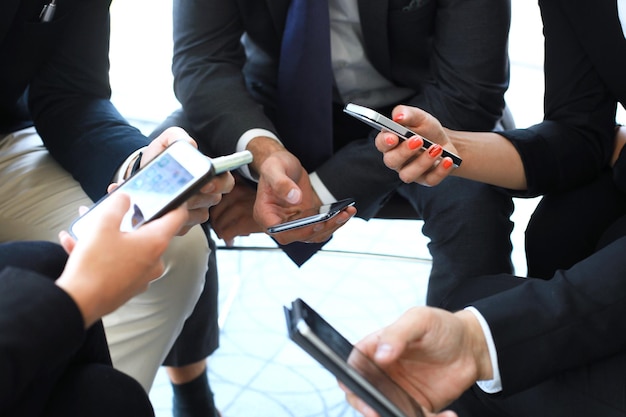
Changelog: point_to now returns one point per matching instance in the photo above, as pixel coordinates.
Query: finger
(427, 168)
(112, 186)
(361, 406)
(386, 141)
(168, 225)
(282, 186)
(197, 216)
(173, 134)
(408, 328)
(67, 241)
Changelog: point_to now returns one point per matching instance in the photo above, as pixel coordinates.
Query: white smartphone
(380, 122)
(312, 216)
(163, 184)
(349, 365)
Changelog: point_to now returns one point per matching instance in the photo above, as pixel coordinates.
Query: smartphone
(312, 216)
(382, 123)
(350, 366)
(163, 184)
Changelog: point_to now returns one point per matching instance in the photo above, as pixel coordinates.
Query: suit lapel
(373, 15)
(8, 8)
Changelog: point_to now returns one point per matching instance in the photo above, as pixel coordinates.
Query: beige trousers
(38, 198)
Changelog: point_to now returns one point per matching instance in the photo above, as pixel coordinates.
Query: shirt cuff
(493, 385)
(242, 143)
(324, 195)
(120, 174)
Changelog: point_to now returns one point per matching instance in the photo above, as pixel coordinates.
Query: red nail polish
(415, 142)
(399, 117)
(435, 150)
(447, 163)
(390, 141)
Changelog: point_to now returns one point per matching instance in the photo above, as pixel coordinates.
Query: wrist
(477, 344)
(262, 147)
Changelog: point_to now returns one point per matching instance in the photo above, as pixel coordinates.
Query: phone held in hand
(349, 365)
(163, 184)
(305, 218)
(382, 123)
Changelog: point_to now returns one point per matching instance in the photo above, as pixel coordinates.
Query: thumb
(282, 185)
(167, 225)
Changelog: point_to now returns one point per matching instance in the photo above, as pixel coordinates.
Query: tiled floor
(258, 371)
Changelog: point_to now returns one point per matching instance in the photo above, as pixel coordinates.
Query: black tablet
(356, 371)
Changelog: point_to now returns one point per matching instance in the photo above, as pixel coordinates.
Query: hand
(208, 196)
(107, 267)
(433, 354)
(407, 157)
(284, 190)
(233, 217)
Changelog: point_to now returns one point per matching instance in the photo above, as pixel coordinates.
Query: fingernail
(293, 196)
(447, 163)
(318, 228)
(390, 141)
(383, 351)
(415, 143)
(399, 117)
(435, 150)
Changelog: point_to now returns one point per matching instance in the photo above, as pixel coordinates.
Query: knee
(186, 264)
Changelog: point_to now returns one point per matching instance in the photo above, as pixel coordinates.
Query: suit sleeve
(208, 79)
(70, 100)
(575, 140)
(544, 327)
(41, 329)
(463, 86)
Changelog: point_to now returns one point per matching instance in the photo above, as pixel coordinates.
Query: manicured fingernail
(293, 196)
(435, 150)
(415, 143)
(447, 163)
(399, 117)
(389, 140)
(382, 351)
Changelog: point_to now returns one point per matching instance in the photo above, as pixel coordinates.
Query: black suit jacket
(453, 53)
(42, 332)
(55, 75)
(542, 328)
(584, 66)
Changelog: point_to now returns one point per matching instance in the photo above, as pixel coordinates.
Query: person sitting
(551, 344)
(54, 358)
(62, 142)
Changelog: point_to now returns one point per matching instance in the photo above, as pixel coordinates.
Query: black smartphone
(350, 366)
(380, 122)
(312, 216)
(163, 184)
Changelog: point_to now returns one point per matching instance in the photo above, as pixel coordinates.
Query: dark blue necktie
(305, 82)
(304, 101)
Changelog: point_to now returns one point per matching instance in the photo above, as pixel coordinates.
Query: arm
(69, 101)
(454, 53)
(573, 144)
(469, 64)
(580, 307)
(208, 80)
(43, 322)
(33, 313)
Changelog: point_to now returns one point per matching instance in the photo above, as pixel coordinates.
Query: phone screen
(153, 188)
(348, 364)
(163, 184)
